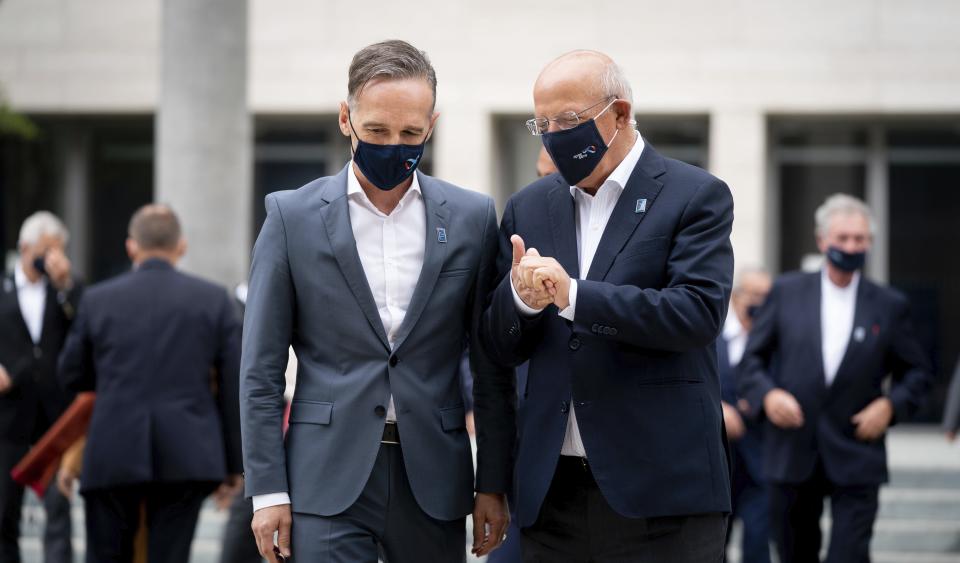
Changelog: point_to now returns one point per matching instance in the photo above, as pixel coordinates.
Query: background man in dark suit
(37, 305)
(621, 454)
(376, 276)
(818, 355)
(749, 494)
(162, 351)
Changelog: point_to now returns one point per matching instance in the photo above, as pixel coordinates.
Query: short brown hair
(393, 59)
(155, 227)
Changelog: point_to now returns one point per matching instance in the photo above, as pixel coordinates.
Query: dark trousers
(114, 515)
(56, 533)
(751, 506)
(385, 522)
(795, 511)
(239, 543)
(576, 525)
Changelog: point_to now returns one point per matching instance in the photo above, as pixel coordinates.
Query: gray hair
(614, 83)
(40, 224)
(840, 204)
(747, 271)
(394, 60)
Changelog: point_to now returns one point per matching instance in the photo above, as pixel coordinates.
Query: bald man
(615, 279)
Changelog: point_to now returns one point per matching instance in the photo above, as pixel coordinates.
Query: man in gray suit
(376, 276)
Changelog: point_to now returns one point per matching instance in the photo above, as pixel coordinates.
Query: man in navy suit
(749, 494)
(817, 358)
(162, 351)
(617, 305)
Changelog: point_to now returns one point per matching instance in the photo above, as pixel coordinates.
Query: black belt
(576, 469)
(391, 435)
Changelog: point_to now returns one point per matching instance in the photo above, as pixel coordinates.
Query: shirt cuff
(570, 310)
(270, 499)
(522, 307)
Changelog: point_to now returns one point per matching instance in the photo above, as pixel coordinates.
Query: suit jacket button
(564, 407)
(513, 331)
(393, 361)
(574, 343)
(380, 411)
(37, 352)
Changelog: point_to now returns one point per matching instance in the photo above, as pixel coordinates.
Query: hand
(550, 273)
(531, 296)
(227, 491)
(5, 381)
(266, 522)
(65, 480)
(951, 436)
(490, 521)
(873, 420)
(782, 409)
(733, 421)
(58, 269)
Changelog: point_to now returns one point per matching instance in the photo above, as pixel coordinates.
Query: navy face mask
(846, 261)
(577, 152)
(386, 166)
(40, 265)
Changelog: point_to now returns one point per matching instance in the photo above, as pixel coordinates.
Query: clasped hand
(539, 280)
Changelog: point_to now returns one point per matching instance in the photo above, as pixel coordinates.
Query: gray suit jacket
(308, 289)
(951, 410)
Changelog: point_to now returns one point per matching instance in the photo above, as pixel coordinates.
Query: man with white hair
(615, 277)
(821, 349)
(37, 305)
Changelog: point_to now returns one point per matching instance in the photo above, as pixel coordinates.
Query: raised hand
(534, 295)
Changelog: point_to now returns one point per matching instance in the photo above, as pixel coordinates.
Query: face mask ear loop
(350, 121)
(617, 132)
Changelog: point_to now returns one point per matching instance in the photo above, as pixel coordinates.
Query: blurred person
(510, 551)
(161, 349)
(37, 306)
(951, 410)
(616, 277)
(376, 276)
(748, 491)
(816, 361)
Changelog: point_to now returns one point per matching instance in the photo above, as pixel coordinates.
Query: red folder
(40, 464)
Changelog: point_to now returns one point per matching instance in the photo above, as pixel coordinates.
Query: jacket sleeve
(509, 336)
(267, 329)
(228, 388)
(689, 311)
(75, 369)
(908, 365)
(753, 373)
(494, 385)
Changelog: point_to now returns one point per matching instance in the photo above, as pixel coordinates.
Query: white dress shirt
(736, 337)
(837, 308)
(391, 249)
(33, 301)
(593, 213)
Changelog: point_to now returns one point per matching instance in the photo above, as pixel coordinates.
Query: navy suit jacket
(748, 450)
(784, 350)
(154, 344)
(639, 360)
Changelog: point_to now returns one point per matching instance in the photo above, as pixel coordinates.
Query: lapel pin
(641, 206)
(441, 234)
(859, 334)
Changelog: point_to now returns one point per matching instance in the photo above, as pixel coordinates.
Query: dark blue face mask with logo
(846, 261)
(576, 152)
(386, 166)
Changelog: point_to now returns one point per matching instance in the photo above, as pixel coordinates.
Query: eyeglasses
(566, 120)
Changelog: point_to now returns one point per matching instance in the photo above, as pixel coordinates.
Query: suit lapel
(563, 225)
(12, 308)
(815, 298)
(336, 220)
(643, 184)
(434, 254)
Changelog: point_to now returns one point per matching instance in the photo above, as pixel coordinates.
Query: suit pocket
(454, 272)
(310, 412)
(453, 418)
(643, 247)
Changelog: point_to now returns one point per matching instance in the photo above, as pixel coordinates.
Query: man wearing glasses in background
(615, 280)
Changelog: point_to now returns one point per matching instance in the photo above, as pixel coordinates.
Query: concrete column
(73, 152)
(203, 166)
(738, 155)
(463, 148)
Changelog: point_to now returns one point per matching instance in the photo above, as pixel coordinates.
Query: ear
(343, 119)
(433, 125)
(624, 111)
(822, 245)
(133, 249)
(181, 247)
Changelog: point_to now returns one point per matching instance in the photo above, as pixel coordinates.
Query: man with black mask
(817, 359)
(376, 276)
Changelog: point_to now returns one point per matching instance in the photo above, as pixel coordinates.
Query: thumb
(518, 249)
(533, 252)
